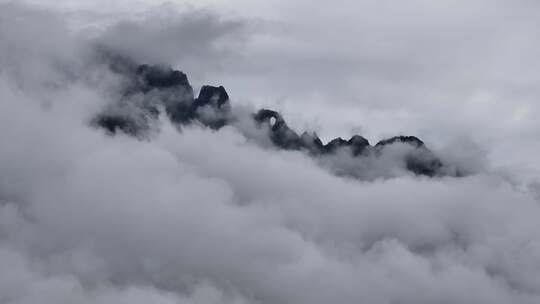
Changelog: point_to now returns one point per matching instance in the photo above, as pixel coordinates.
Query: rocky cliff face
(151, 89)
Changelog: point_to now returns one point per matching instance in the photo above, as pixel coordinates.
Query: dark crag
(153, 88)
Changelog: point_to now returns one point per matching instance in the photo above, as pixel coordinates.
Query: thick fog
(196, 215)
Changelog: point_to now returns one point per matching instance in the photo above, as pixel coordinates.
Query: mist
(191, 213)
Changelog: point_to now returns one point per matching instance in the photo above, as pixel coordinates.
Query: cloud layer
(209, 216)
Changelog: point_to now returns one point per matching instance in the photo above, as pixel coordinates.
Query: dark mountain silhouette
(151, 88)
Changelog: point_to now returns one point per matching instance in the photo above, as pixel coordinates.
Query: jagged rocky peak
(335, 144)
(411, 140)
(115, 123)
(280, 133)
(284, 137)
(357, 145)
(420, 160)
(273, 118)
(312, 143)
(424, 163)
(151, 88)
(214, 96)
(152, 77)
(212, 107)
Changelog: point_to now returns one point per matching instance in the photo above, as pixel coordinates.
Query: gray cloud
(166, 37)
(428, 69)
(202, 216)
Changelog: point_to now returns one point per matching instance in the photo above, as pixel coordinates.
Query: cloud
(205, 216)
(433, 70)
(167, 37)
(20, 283)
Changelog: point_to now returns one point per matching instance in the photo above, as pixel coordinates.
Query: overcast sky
(183, 218)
